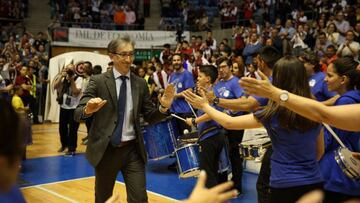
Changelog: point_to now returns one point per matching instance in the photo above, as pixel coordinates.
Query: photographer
(68, 86)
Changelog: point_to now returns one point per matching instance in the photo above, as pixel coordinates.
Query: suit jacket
(104, 121)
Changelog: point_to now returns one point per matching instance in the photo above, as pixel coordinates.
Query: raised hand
(168, 96)
(217, 194)
(94, 105)
(262, 88)
(196, 101)
(210, 95)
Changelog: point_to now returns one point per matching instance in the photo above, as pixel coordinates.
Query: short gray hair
(119, 42)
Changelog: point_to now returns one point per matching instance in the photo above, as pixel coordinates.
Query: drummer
(211, 136)
(343, 78)
(228, 88)
(294, 168)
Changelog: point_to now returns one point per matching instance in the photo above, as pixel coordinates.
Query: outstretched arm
(344, 117)
(228, 122)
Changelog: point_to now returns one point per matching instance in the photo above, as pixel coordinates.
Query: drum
(348, 164)
(188, 160)
(224, 162)
(253, 149)
(189, 138)
(159, 139)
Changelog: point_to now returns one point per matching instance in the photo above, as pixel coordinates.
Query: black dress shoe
(62, 149)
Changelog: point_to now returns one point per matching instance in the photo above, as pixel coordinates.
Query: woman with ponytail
(343, 78)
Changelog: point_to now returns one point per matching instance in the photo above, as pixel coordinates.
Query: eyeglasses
(125, 54)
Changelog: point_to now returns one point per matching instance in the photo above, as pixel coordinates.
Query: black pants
(235, 138)
(263, 181)
(335, 197)
(68, 128)
(31, 101)
(292, 194)
(210, 150)
(127, 160)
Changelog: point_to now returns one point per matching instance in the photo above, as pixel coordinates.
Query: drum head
(349, 164)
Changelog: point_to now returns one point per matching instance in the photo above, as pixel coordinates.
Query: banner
(94, 38)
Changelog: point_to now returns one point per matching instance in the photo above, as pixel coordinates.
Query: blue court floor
(159, 179)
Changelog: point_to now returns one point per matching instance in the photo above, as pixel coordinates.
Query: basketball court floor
(48, 176)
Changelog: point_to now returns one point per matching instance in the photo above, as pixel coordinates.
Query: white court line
(39, 186)
(56, 194)
(64, 181)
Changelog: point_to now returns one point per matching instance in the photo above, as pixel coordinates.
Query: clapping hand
(210, 95)
(196, 101)
(261, 88)
(218, 194)
(167, 98)
(94, 105)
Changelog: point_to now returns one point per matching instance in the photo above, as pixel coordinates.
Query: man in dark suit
(115, 100)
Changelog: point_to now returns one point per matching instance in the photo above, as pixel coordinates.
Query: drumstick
(334, 135)
(192, 109)
(178, 117)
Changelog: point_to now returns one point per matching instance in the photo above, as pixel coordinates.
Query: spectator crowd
(99, 14)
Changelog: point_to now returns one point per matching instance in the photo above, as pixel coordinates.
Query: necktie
(116, 138)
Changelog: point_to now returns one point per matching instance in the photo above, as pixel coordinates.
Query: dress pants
(128, 161)
(68, 128)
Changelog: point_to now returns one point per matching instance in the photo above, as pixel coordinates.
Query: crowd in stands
(100, 14)
(15, 9)
(24, 61)
(334, 32)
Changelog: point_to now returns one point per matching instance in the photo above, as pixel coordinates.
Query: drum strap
(207, 130)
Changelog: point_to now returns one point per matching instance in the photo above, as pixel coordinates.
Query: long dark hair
(289, 74)
(346, 66)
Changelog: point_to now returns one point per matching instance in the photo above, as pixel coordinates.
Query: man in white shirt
(69, 88)
(341, 24)
(349, 47)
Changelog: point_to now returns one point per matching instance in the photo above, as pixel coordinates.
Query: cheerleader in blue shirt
(318, 86)
(343, 78)
(294, 167)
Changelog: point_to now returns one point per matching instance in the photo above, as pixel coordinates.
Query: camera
(70, 72)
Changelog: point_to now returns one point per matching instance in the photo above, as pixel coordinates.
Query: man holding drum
(211, 137)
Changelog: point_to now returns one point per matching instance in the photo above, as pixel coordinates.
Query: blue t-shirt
(14, 195)
(319, 87)
(207, 125)
(229, 89)
(293, 162)
(335, 179)
(182, 81)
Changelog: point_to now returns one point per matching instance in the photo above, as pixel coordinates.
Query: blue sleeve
(345, 100)
(189, 81)
(262, 101)
(246, 51)
(237, 90)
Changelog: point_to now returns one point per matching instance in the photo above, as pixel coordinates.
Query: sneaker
(61, 149)
(70, 153)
